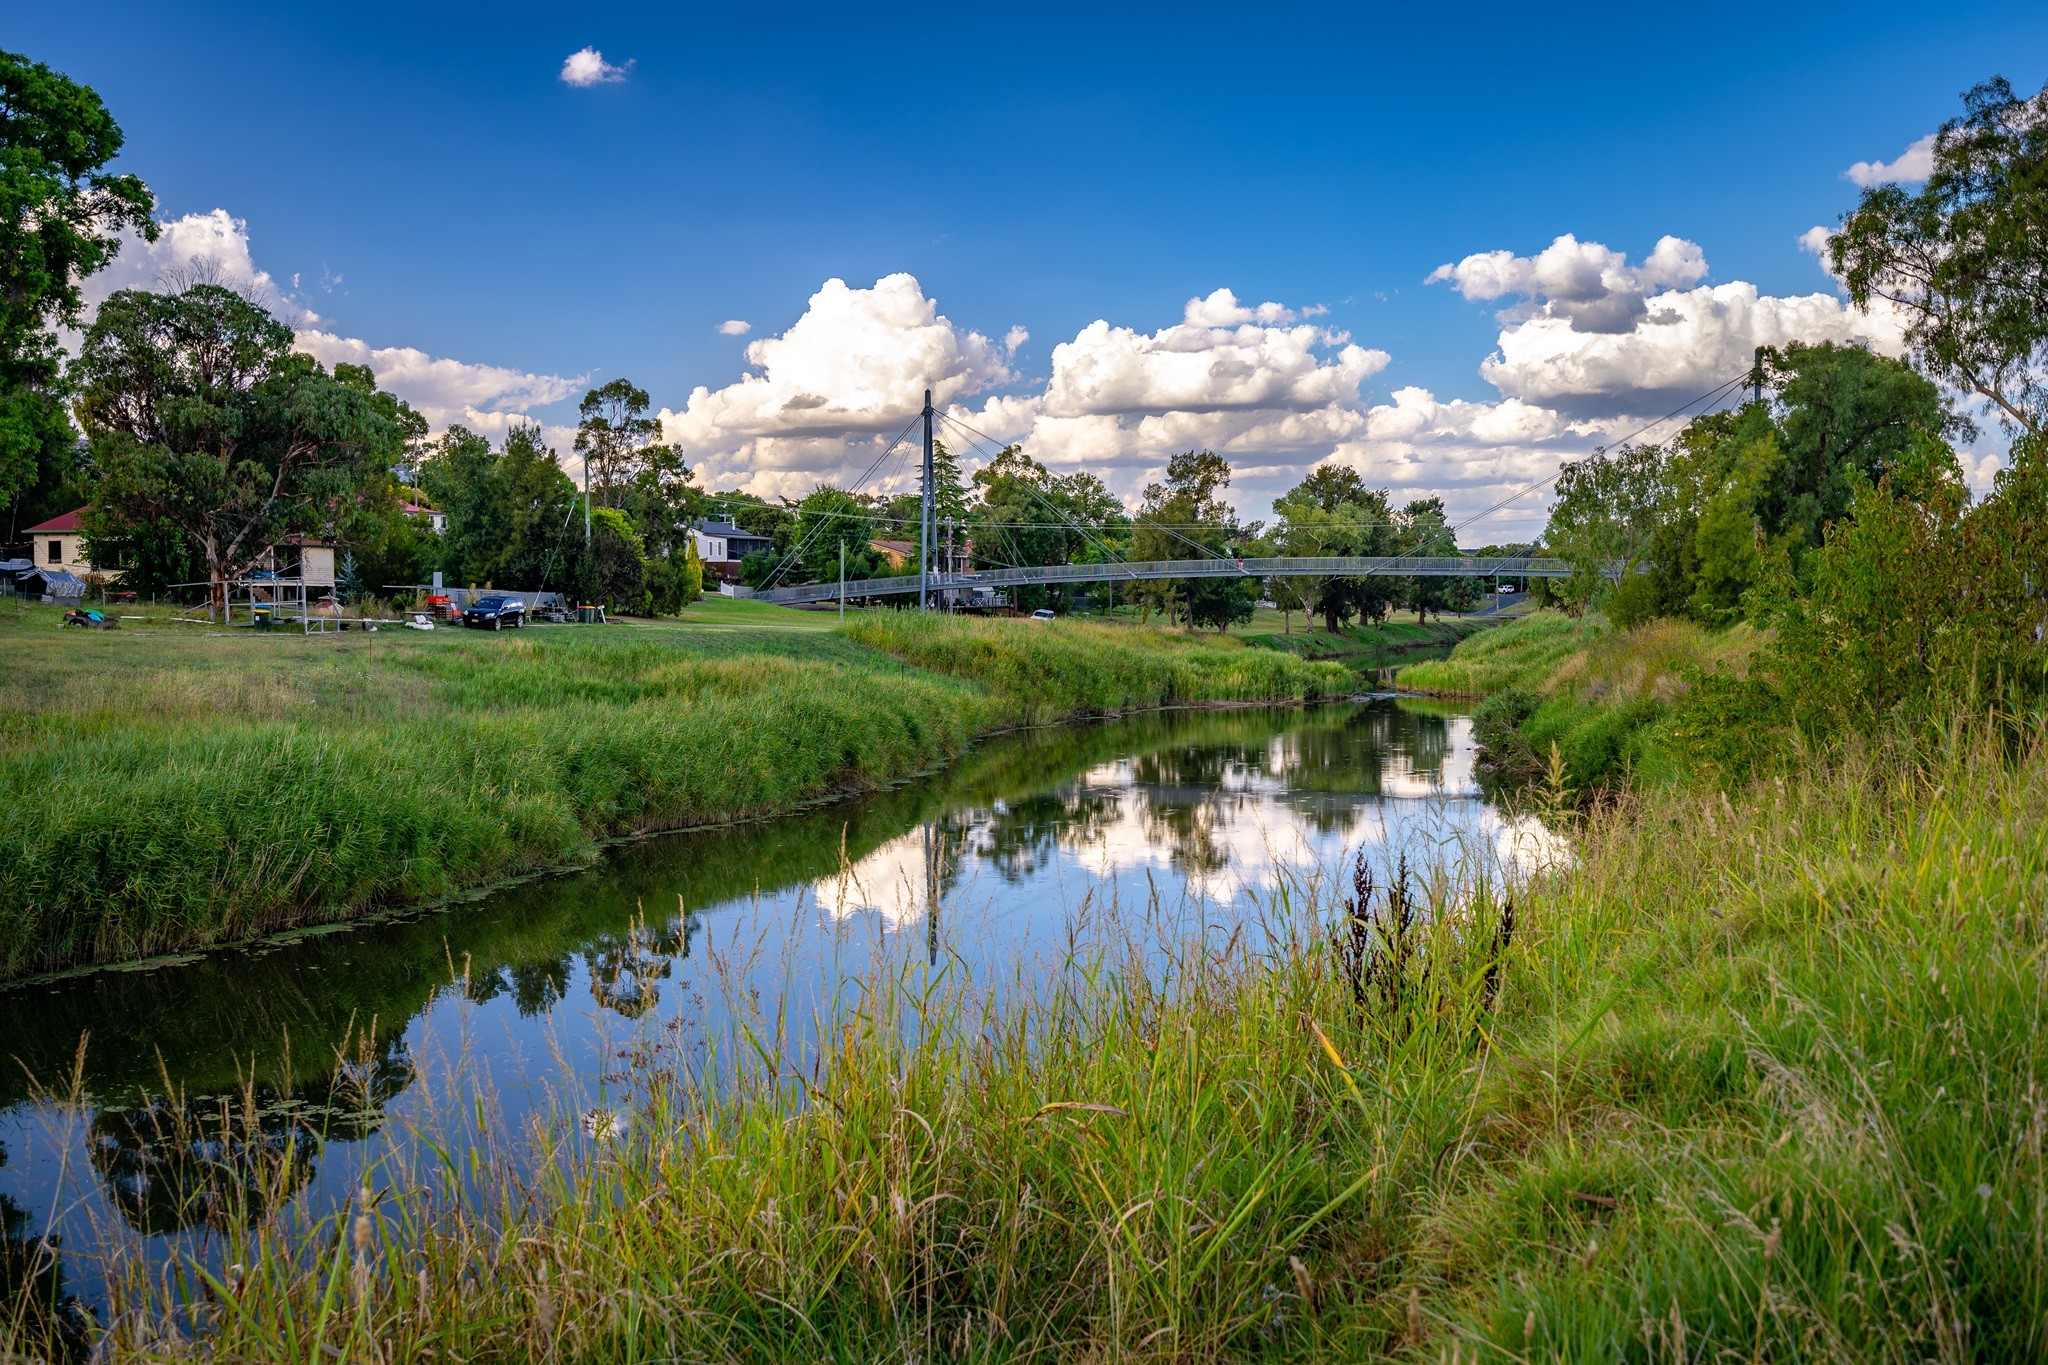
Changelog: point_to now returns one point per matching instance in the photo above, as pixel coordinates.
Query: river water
(730, 938)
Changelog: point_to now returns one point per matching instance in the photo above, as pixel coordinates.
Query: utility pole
(842, 578)
(1756, 376)
(924, 518)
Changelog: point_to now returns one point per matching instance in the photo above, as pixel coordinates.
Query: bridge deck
(1329, 566)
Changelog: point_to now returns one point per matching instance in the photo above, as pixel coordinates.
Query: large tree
(662, 499)
(1333, 512)
(1607, 511)
(203, 420)
(614, 437)
(1966, 256)
(1185, 517)
(61, 218)
(1426, 532)
(1028, 516)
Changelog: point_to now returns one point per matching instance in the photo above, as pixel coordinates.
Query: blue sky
(1040, 168)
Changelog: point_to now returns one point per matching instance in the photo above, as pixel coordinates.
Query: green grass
(190, 786)
(1572, 702)
(1757, 1078)
(1365, 646)
(1519, 654)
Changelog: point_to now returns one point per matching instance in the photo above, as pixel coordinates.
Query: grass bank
(1755, 1078)
(1371, 647)
(1573, 702)
(178, 787)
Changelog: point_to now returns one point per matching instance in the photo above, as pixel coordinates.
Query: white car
(1044, 614)
(1505, 589)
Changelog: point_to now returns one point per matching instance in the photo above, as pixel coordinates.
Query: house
(59, 544)
(898, 553)
(721, 546)
(437, 522)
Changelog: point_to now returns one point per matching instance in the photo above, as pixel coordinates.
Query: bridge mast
(924, 518)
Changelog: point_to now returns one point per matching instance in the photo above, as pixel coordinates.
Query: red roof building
(59, 543)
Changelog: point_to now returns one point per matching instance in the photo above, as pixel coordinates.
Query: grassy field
(178, 785)
(1754, 1078)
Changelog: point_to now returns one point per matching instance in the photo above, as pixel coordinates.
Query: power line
(795, 554)
(1714, 394)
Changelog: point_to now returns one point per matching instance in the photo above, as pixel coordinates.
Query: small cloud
(1914, 164)
(1315, 310)
(735, 327)
(588, 67)
(1014, 338)
(1815, 239)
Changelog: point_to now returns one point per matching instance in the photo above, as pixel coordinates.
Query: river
(731, 938)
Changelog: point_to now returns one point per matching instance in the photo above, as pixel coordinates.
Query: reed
(1749, 1077)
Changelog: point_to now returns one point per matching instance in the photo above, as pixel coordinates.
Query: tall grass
(1575, 702)
(1755, 1078)
(171, 792)
(1051, 669)
(1520, 653)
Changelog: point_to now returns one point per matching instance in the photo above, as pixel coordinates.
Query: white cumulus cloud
(587, 67)
(735, 327)
(1911, 166)
(1249, 380)
(208, 248)
(847, 374)
(1684, 343)
(1589, 286)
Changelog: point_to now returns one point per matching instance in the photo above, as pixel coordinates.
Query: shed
(52, 585)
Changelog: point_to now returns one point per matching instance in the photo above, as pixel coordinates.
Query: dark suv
(496, 611)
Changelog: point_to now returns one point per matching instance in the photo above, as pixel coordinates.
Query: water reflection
(221, 1088)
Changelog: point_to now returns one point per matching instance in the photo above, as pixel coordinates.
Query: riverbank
(1573, 703)
(1754, 1075)
(1371, 648)
(178, 787)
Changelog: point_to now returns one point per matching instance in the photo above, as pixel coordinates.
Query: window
(56, 552)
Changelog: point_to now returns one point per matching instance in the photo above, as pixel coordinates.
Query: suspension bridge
(931, 586)
(1137, 570)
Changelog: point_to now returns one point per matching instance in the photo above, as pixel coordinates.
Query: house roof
(895, 547)
(728, 530)
(416, 509)
(67, 522)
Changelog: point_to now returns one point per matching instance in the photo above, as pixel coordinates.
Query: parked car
(1505, 589)
(495, 611)
(1043, 614)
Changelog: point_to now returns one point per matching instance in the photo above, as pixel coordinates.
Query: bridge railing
(1295, 566)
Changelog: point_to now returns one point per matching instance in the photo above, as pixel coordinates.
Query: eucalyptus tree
(203, 420)
(1964, 257)
(614, 435)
